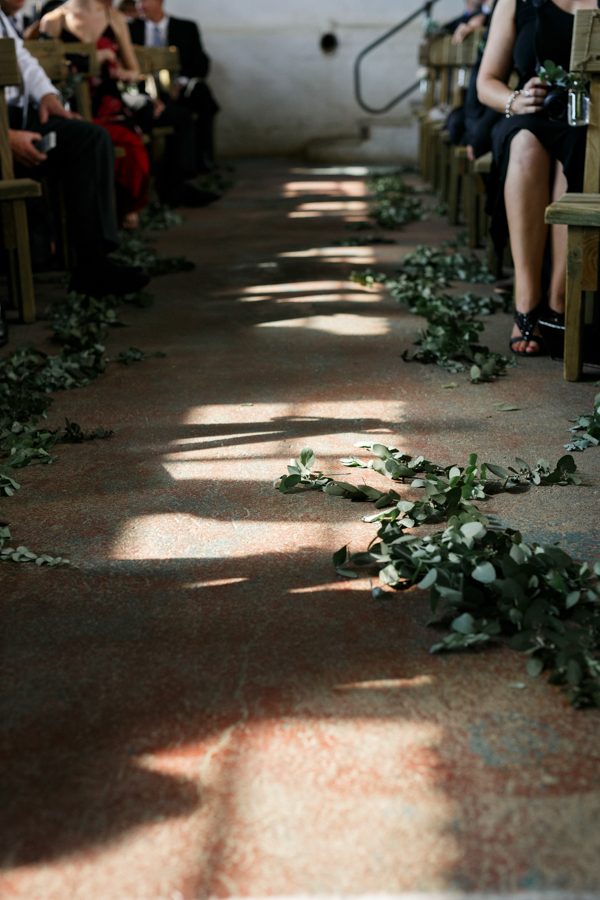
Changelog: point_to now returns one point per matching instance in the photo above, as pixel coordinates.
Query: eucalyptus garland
(587, 429)
(395, 203)
(451, 339)
(80, 325)
(485, 583)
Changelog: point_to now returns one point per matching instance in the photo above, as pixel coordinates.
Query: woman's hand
(106, 55)
(123, 74)
(531, 98)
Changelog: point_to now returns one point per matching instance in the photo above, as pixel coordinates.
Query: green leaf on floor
(507, 407)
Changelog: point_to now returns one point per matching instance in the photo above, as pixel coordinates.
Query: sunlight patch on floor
(365, 254)
(231, 532)
(282, 415)
(336, 171)
(344, 325)
(215, 582)
(335, 188)
(350, 297)
(296, 287)
(386, 684)
(349, 208)
(360, 256)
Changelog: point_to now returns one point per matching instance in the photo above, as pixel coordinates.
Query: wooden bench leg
(26, 296)
(20, 277)
(573, 362)
(457, 175)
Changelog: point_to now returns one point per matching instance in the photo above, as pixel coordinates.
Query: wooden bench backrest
(71, 49)
(468, 50)
(448, 66)
(50, 57)
(585, 58)
(55, 57)
(10, 76)
(74, 52)
(159, 66)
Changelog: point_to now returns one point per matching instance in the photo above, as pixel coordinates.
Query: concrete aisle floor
(201, 707)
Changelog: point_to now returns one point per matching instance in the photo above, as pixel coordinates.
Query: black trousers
(83, 163)
(202, 104)
(180, 160)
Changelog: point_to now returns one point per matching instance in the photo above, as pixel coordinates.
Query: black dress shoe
(108, 277)
(3, 327)
(193, 196)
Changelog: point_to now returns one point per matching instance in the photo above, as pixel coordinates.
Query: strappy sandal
(526, 322)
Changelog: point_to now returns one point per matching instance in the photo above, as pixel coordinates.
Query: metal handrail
(425, 8)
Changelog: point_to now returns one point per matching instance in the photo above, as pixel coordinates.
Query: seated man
(14, 10)
(157, 29)
(83, 160)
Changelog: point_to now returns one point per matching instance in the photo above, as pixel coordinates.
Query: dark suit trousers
(83, 162)
(202, 103)
(179, 164)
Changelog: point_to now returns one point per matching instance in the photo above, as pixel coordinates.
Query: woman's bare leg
(556, 297)
(526, 196)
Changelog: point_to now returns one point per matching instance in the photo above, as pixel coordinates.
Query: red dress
(132, 168)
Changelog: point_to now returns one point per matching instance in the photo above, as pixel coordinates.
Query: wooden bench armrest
(483, 165)
(575, 209)
(19, 189)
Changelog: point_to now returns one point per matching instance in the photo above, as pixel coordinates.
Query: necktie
(156, 37)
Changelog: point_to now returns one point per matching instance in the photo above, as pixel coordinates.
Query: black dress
(544, 32)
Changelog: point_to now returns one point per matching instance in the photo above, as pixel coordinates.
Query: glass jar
(578, 104)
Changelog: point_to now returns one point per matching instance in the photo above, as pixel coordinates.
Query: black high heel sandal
(526, 322)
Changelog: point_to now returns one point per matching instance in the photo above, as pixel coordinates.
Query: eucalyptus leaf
(535, 666)
(428, 580)
(473, 530)
(340, 556)
(464, 624)
(484, 572)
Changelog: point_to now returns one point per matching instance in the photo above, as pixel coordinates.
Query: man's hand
(50, 105)
(23, 150)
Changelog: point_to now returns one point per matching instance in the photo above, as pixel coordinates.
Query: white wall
(277, 90)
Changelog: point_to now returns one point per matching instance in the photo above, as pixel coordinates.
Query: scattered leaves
(485, 583)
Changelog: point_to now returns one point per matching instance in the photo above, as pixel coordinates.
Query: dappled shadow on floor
(203, 665)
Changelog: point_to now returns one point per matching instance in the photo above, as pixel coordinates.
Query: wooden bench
(433, 55)
(459, 163)
(159, 67)
(57, 58)
(581, 212)
(13, 196)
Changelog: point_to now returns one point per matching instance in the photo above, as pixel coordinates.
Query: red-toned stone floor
(200, 707)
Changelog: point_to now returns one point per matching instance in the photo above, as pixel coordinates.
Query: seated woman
(95, 22)
(536, 157)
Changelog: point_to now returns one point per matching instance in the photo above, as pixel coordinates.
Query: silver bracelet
(508, 107)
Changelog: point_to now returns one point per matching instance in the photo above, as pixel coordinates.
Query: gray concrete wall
(278, 91)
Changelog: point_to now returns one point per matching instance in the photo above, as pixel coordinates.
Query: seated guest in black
(82, 160)
(157, 29)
